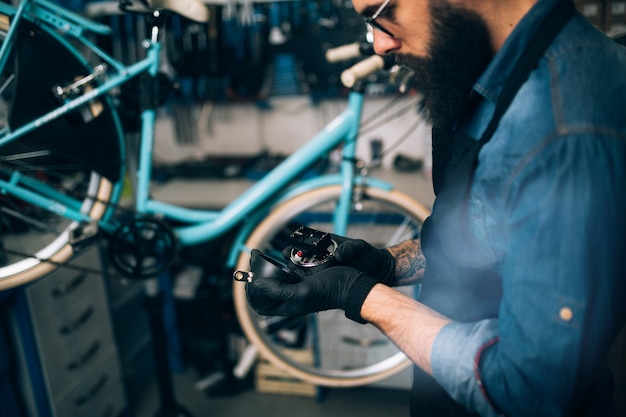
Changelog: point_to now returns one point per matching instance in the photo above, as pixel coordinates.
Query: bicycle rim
(331, 349)
(35, 238)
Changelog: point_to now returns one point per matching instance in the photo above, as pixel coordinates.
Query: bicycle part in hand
(142, 248)
(311, 247)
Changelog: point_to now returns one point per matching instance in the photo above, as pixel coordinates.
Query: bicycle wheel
(341, 353)
(53, 162)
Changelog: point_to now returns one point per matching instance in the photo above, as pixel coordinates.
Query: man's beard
(458, 53)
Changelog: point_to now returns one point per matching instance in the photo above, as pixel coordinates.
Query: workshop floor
(362, 402)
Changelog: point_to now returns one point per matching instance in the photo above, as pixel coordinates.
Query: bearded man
(522, 262)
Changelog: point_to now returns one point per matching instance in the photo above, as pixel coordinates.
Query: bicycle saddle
(191, 9)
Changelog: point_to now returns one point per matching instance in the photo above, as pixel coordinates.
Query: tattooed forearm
(410, 262)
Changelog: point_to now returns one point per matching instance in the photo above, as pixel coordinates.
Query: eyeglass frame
(371, 20)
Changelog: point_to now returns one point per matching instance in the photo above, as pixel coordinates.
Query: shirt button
(566, 314)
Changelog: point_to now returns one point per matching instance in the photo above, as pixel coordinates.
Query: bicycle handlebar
(349, 51)
(362, 70)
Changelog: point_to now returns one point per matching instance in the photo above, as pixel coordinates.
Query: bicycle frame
(200, 225)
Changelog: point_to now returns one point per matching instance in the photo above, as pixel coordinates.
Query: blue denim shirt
(547, 213)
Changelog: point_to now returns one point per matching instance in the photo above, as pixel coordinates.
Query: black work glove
(264, 268)
(365, 257)
(340, 287)
(359, 254)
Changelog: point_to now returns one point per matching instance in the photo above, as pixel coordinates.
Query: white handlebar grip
(344, 52)
(362, 69)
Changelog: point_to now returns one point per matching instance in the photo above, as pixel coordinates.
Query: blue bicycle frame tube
(342, 129)
(148, 120)
(355, 102)
(50, 202)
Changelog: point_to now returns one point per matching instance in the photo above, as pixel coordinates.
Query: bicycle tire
(383, 215)
(34, 241)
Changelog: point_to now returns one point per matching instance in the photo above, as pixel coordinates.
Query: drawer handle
(85, 358)
(65, 289)
(78, 323)
(100, 384)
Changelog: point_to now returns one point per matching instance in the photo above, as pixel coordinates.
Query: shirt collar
(490, 83)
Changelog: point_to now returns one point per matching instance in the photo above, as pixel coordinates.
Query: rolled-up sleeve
(455, 357)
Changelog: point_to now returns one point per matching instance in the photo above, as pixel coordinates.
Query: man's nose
(384, 44)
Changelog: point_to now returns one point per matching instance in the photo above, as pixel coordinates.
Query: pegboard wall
(607, 15)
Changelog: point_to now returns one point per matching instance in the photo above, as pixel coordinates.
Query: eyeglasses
(371, 20)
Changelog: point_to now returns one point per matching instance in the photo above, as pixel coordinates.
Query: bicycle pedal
(311, 247)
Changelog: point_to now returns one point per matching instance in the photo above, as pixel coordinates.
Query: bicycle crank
(142, 247)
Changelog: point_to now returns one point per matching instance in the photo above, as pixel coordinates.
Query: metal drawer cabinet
(68, 362)
(64, 286)
(100, 393)
(69, 357)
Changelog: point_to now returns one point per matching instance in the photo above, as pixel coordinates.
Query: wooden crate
(271, 380)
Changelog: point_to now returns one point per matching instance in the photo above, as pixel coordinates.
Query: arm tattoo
(410, 262)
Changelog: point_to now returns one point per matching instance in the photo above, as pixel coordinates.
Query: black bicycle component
(142, 247)
(83, 235)
(311, 247)
(78, 87)
(268, 267)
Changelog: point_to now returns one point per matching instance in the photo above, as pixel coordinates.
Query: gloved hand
(359, 254)
(334, 287)
(265, 268)
(365, 257)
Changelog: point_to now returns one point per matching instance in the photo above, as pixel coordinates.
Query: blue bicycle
(62, 163)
